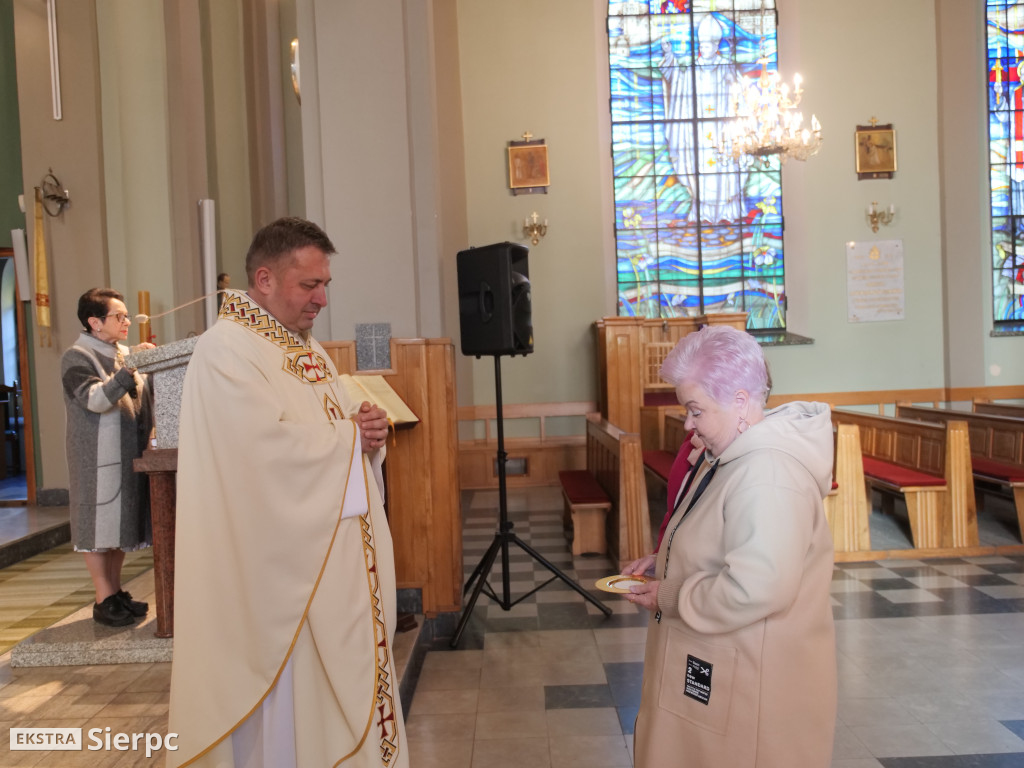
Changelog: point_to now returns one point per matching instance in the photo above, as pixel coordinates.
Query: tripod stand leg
(554, 570)
(480, 574)
(481, 568)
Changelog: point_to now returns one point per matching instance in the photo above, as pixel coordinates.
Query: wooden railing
(615, 459)
(541, 455)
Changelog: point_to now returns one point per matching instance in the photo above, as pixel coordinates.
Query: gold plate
(620, 583)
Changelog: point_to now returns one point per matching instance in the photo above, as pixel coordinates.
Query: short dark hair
(278, 239)
(94, 303)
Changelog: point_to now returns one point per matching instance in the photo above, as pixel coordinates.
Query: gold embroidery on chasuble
(300, 359)
(239, 308)
(332, 409)
(310, 367)
(387, 722)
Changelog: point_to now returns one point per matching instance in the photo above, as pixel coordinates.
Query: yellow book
(376, 390)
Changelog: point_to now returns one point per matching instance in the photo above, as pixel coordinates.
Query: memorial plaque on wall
(874, 281)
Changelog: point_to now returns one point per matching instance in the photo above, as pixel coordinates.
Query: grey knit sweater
(109, 420)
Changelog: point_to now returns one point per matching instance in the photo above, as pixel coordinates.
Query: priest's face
(295, 290)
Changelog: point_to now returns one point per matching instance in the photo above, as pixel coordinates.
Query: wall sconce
(876, 217)
(533, 229)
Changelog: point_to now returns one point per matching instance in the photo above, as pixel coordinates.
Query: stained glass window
(696, 232)
(1006, 157)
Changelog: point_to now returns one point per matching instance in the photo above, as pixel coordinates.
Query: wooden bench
(586, 511)
(615, 462)
(929, 464)
(997, 448)
(846, 507)
(658, 461)
(1006, 410)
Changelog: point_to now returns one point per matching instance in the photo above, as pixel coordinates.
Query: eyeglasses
(121, 316)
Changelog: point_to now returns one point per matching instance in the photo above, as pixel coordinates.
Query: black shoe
(112, 612)
(134, 607)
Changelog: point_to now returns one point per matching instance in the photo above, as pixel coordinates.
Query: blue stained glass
(695, 231)
(763, 196)
(999, 148)
(1004, 73)
(632, 149)
(639, 299)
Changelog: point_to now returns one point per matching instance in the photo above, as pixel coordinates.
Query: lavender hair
(722, 360)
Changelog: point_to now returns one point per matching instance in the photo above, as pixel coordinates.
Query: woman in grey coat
(109, 420)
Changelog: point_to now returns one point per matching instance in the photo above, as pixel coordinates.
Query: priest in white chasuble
(284, 569)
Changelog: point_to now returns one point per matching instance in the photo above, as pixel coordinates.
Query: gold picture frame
(528, 171)
(875, 151)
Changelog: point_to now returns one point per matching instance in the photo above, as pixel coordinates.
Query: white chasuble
(284, 575)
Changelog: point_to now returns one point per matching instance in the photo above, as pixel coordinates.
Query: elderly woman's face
(717, 425)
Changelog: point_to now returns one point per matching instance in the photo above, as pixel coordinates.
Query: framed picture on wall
(875, 151)
(528, 167)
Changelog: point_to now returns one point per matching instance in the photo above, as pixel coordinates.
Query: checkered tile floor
(931, 660)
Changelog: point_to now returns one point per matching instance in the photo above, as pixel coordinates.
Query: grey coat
(109, 420)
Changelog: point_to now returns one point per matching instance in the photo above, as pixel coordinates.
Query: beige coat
(740, 667)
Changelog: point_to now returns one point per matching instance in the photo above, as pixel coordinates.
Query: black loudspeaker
(494, 300)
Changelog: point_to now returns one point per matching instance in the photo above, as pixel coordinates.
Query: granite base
(78, 640)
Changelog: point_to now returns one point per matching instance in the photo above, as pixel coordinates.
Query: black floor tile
(627, 718)
(984, 580)
(562, 616)
(1017, 726)
(1014, 760)
(625, 679)
(884, 584)
(577, 696)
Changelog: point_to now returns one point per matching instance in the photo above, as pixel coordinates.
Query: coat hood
(801, 430)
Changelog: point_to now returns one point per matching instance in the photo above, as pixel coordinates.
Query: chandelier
(766, 122)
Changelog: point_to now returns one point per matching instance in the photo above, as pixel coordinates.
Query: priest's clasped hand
(373, 426)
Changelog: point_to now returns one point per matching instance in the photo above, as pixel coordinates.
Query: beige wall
(365, 191)
(227, 142)
(136, 156)
(534, 66)
(72, 148)
(555, 86)
(401, 138)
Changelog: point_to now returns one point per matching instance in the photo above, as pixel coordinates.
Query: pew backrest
(615, 458)
(1007, 410)
(991, 437)
(904, 442)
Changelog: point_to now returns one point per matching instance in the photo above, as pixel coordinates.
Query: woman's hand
(645, 595)
(642, 567)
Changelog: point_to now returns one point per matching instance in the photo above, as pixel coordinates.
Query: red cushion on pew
(661, 398)
(581, 487)
(1005, 472)
(659, 462)
(835, 485)
(897, 475)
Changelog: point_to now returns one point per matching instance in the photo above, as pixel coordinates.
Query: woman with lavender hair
(740, 666)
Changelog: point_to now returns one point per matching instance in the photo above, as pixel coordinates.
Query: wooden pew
(930, 465)
(846, 507)
(1007, 410)
(658, 462)
(997, 448)
(585, 515)
(615, 460)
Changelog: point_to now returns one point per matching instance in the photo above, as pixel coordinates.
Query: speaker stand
(502, 538)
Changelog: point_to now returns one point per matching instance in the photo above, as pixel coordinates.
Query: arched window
(1006, 152)
(696, 232)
